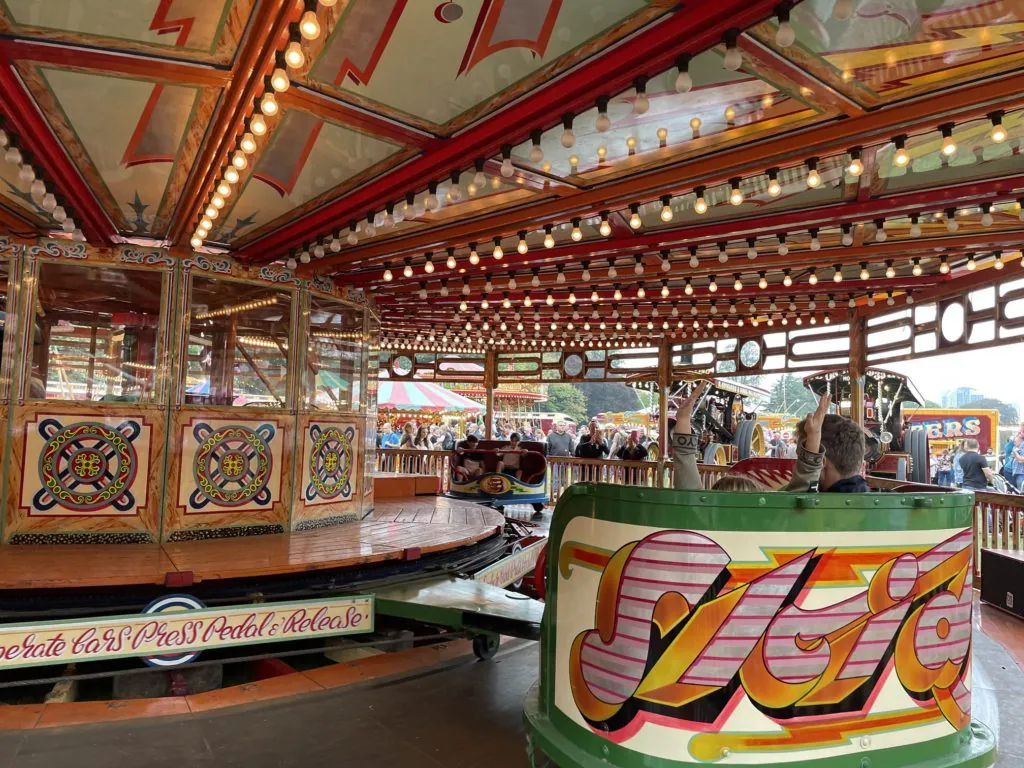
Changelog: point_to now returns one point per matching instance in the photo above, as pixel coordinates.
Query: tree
(931, 404)
(609, 397)
(567, 399)
(789, 397)
(1007, 411)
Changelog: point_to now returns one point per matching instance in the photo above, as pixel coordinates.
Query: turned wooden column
(858, 366)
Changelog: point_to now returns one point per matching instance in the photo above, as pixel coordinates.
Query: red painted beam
(35, 135)
(693, 29)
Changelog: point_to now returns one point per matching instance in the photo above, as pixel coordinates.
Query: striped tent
(421, 396)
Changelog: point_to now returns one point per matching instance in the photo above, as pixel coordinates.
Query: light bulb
(450, 262)
(522, 246)
(279, 80)
(971, 264)
(864, 274)
(568, 138)
(736, 196)
(239, 160)
(12, 156)
(211, 212)
(915, 229)
(666, 212)
(785, 36)
(641, 103)
(292, 263)
(901, 158)
(196, 242)
(986, 219)
(684, 82)
(498, 253)
(847, 238)
(536, 153)
(944, 266)
(751, 251)
(247, 144)
(507, 169)
(293, 55)
(738, 285)
(38, 189)
(352, 238)
(603, 122)
(815, 243)
(231, 175)
(662, 134)
(617, 295)
(774, 188)
(68, 225)
(856, 167)
(837, 276)
(217, 201)
(890, 272)
(407, 270)
(733, 59)
(813, 178)
(948, 146)
(634, 220)
(26, 173)
(666, 265)
(997, 264)
(998, 133)
(787, 280)
(268, 104)
(813, 277)
(309, 25)
(762, 282)
(700, 205)
(49, 202)
(576, 234)
(916, 271)
(695, 124)
(550, 300)
(843, 9)
(59, 214)
(605, 228)
(549, 240)
(712, 285)
(880, 234)
(428, 267)
(224, 189)
(952, 225)
(612, 271)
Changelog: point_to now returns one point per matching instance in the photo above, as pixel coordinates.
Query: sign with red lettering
(174, 634)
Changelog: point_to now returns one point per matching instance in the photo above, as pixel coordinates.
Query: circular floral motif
(87, 466)
(330, 462)
(232, 466)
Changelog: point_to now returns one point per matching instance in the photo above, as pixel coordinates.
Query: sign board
(512, 569)
(953, 425)
(174, 635)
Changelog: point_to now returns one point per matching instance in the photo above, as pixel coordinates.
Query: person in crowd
(408, 435)
(592, 445)
(837, 467)
(958, 471)
(387, 438)
(617, 442)
(632, 450)
(977, 474)
(944, 471)
(422, 438)
(509, 459)
(559, 441)
(791, 447)
(466, 463)
(446, 438)
(1017, 457)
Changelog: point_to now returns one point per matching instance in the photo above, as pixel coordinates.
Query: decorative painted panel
(229, 470)
(328, 474)
(85, 473)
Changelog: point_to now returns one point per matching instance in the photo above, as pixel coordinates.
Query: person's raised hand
(813, 422)
(685, 405)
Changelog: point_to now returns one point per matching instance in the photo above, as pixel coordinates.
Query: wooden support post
(490, 384)
(858, 366)
(664, 382)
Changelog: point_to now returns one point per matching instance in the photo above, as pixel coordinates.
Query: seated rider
(509, 458)
(467, 465)
(808, 461)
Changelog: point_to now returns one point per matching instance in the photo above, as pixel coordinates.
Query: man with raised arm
(809, 458)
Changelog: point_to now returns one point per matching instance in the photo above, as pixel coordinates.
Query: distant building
(961, 397)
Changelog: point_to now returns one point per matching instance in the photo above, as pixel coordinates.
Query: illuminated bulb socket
(248, 144)
(521, 246)
(498, 253)
(813, 177)
(239, 161)
(948, 145)
(196, 242)
(279, 80)
(813, 277)
(774, 188)
(880, 234)
(666, 208)
(576, 233)
(388, 277)
(736, 194)
(268, 104)
(211, 212)
(634, 218)
(568, 137)
(224, 189)
(700, 205)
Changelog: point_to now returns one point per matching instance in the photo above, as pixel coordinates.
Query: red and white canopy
(421, 396)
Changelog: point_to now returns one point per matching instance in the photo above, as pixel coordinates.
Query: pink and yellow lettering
(676, 634)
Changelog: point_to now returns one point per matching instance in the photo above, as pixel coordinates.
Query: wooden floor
(398, 529)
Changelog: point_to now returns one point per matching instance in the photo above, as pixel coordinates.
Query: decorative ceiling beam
(35, 135)
(693, 29)
(874, 128)
(253, 60)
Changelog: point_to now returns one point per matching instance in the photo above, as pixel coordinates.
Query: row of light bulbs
(36, 187)
(394, 212)
(266, 107)
(235, 309)
(700, 206)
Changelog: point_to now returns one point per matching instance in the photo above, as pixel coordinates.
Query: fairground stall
(222, 221)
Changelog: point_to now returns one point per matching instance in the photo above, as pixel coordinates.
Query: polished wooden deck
(398, 529)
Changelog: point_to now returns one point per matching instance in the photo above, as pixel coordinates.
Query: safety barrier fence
(562, 471)
(998, 517)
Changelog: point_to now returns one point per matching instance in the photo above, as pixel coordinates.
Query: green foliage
(789, 397)
(567, 399)
(609, 397)
(1008, 415)
(927, 404)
